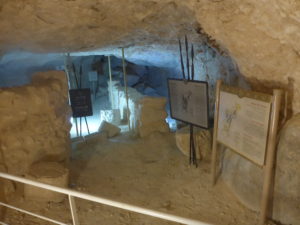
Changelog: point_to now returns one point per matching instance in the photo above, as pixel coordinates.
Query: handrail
(31, 214)
(105, 201)
(1, 223)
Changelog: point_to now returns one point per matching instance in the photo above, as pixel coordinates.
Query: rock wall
(246, 179)
(34, 122)
(152, 116)
(262, 36)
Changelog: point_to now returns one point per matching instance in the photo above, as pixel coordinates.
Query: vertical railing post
(215, 134)
(269, 168)
(73, 210)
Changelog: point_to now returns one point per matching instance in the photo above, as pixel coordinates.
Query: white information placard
(243, 125)
(189, 101)
(247, 123)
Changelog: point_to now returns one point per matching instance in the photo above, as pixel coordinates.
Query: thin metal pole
(110, 83)
(215, 143)
(74, 72)
(80, 76)
(32, 214)
(71, 84)
(80, 86)
(187, 57)
(77, 86)
(87, 126)
(73, 210)
(181, 59)
(269, 169)
(137, 209)
(193, 68)
(191, 152)
(69, 72)
(80, 127)
(193, 147)
(76, 125)
(125, 84)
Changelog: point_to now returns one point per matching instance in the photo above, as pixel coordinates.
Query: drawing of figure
(229, 116)
(185, 100)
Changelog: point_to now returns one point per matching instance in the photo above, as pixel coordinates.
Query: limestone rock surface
(202, 140)
(110, 129)
(244, 177)
(52, 173)
(152, 116)
(95, 137)
(34, 122)
(261, 36)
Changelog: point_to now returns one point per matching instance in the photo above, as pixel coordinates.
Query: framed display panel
(189, 101)
(81, 103)
(243, 122)
(247, 122)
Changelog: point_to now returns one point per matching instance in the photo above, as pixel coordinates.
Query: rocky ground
(149, 172)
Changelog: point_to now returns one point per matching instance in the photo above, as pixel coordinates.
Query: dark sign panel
(81, 103)
(189, 101)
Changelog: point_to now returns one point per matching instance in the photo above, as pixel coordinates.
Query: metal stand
(126, 90)
(73, 210)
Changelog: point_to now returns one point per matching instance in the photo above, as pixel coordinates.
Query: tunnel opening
(149, 169)
(108, 96)
(145, 139)
(147, 68)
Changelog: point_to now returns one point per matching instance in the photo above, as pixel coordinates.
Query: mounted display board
(244, 122)
(81, 103)
(189, 101)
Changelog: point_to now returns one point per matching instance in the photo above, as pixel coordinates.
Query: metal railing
(72, 194)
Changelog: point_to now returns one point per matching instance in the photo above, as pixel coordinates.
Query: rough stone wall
(152, 116)
(34, 122)
(103, 23)
(262, 36)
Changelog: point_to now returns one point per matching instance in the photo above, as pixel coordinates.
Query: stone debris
(202, 139)
(110, 129)
(95, 137)
(34, 122)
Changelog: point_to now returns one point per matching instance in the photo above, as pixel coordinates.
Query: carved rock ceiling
(261, 36)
